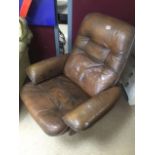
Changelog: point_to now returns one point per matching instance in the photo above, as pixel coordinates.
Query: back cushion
(100, 52)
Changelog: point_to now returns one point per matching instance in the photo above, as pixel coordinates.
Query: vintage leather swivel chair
(71, 92)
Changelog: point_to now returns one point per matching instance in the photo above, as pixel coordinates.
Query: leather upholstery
(72, 92)
(50, 100)
(46, 69)
(102, 47)
(87, 113)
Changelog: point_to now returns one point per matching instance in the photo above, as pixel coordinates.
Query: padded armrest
(46, 69)
(87, 113)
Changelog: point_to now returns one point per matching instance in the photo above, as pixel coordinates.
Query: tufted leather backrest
(100, 53)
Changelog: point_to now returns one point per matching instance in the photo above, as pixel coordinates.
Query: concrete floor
(112, 135)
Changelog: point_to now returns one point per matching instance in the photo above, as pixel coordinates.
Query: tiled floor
(112, 135)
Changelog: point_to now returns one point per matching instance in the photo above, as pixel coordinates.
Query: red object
(122, 9)
(25, 8)
(42, 45)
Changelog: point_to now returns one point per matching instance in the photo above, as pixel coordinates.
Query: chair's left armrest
(87, 113)
(46, 69)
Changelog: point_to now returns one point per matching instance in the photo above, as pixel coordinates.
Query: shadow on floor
(22, 111)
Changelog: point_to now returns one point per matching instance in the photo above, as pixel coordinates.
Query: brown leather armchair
(71, 92)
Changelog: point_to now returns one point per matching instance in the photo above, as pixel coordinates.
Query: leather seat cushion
(49, 101)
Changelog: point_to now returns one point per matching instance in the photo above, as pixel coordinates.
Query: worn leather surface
(100, 53)
(87, 113)
(70, 93)
(46, 69)
(49, 101)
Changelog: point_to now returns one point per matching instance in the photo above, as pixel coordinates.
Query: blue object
(20, 4)
(42, 13)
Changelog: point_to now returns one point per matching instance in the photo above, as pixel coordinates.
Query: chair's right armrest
(93, 109)
(46, 69)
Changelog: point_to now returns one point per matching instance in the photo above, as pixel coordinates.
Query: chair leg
(71, 132)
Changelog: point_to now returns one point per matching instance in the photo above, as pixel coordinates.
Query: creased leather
(100, 53)
(50, 100)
